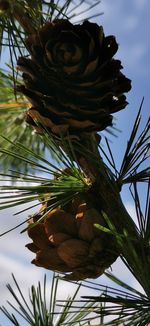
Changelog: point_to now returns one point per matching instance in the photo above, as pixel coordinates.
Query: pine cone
(67, 241)
(72, 80)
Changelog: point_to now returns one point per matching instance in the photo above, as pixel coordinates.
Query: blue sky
(129, 22)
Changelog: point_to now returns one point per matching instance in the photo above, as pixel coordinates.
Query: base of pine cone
(67, 241)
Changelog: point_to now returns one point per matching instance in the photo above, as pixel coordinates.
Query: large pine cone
(67, 241)
(72, 80)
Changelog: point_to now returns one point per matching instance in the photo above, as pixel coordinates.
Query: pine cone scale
(72, 74)
(75, 246)
(74, 252)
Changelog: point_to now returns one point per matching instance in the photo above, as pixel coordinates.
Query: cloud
(15, 258)
(133, 55)
(130, 23)
(111, 10)
(120, 19)
(126, 23)
(140, 4)
(130, 207)
(25, 273)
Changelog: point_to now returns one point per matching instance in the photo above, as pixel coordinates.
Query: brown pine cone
(72, 80)
(68, 242)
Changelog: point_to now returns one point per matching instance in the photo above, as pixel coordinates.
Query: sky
(128, 20)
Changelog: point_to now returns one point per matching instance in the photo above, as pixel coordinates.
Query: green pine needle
(41, 308)
(123, 304)
(51, 184)
(137, 152)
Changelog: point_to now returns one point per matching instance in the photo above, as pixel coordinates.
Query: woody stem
(106, 197)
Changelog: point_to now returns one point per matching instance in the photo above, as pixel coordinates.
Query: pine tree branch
(106, 197)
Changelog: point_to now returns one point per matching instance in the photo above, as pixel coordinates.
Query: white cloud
(15, 258)
(126, 23)
(133, 56)
(131, 210)
(140, 4)
(121, 271)
(130, 22)
(25, 273)
(136, 53)
(111, 10)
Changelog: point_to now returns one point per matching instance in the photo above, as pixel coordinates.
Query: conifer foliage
(59, 94)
